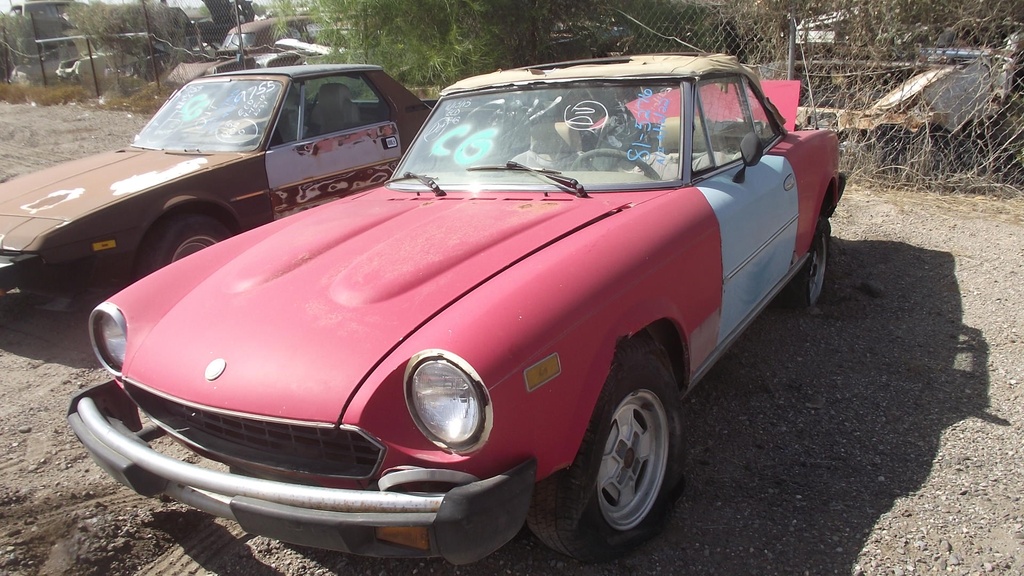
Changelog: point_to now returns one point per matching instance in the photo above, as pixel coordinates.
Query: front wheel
(805, 289)
(620, 488)
(175, 238)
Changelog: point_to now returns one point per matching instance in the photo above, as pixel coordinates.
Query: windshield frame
(443, 128)
(234, 40)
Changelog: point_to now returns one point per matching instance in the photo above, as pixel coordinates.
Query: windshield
(604, 135)
(213, 116)
(231, 40)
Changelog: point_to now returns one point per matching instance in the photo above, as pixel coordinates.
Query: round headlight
(109, 334)
(447, 400)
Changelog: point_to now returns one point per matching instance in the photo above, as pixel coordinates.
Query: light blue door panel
(758, 221)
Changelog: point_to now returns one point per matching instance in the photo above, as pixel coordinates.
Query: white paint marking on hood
(148, 180)
(52, 199)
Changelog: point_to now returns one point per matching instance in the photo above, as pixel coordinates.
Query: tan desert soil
(880, 433)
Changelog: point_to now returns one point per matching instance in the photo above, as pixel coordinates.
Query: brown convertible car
(226, 153)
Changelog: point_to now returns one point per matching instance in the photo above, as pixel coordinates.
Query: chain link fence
(926, 93)
(122, 46)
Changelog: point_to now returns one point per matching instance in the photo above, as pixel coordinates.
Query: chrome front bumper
(461, 525)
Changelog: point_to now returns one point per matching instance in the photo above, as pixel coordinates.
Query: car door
(757, 216)
(334, 136)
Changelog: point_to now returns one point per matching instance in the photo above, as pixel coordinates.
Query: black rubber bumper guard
(10, 270)
(464, 524)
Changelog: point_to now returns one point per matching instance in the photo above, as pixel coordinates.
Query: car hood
(300, 311)
(70, 190)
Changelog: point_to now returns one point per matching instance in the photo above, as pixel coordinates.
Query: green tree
(425, 50)
(435, 42)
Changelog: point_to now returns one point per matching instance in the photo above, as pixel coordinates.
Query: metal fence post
(8, 63)
(149, 40)
(238, 28)
(92, 64)
(791, 61)
(39, 49)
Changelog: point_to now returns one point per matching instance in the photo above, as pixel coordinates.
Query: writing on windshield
(213, 116)
(601, 132)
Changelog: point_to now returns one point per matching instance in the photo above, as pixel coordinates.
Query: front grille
(288, 447)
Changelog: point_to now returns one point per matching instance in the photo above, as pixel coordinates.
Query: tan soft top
(642, 66)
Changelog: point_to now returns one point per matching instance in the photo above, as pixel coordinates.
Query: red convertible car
(500, 335)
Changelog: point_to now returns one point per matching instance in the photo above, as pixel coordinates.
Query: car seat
(334, 110)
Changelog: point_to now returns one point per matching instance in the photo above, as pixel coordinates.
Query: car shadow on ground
(32, 328)
(812, 427)
(802, 437)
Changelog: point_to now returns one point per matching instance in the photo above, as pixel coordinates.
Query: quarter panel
(407, 111)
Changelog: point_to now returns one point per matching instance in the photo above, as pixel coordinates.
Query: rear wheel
(619, 489)
(805, 289)
(175, 238)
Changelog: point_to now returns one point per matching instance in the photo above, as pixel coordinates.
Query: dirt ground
(880, 433)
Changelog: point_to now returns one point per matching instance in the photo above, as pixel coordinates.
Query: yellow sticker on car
(104, 245)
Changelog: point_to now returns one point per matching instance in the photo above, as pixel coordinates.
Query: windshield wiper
(570, 185)
(425, 180)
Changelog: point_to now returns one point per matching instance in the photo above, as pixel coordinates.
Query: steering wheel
(585, 161)
(238, 131)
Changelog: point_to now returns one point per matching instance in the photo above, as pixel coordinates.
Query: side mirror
(751, 152)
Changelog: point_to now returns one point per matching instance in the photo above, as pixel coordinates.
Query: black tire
(175, 238)
(579, 511)
(805, 289)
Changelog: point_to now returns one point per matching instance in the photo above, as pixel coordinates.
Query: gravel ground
(880, 433)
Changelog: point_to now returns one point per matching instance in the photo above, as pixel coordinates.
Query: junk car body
(259, 36)
(501, 334)
(224, 154)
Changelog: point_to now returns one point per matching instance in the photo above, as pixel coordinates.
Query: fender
(807, 152)
(600, 290)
